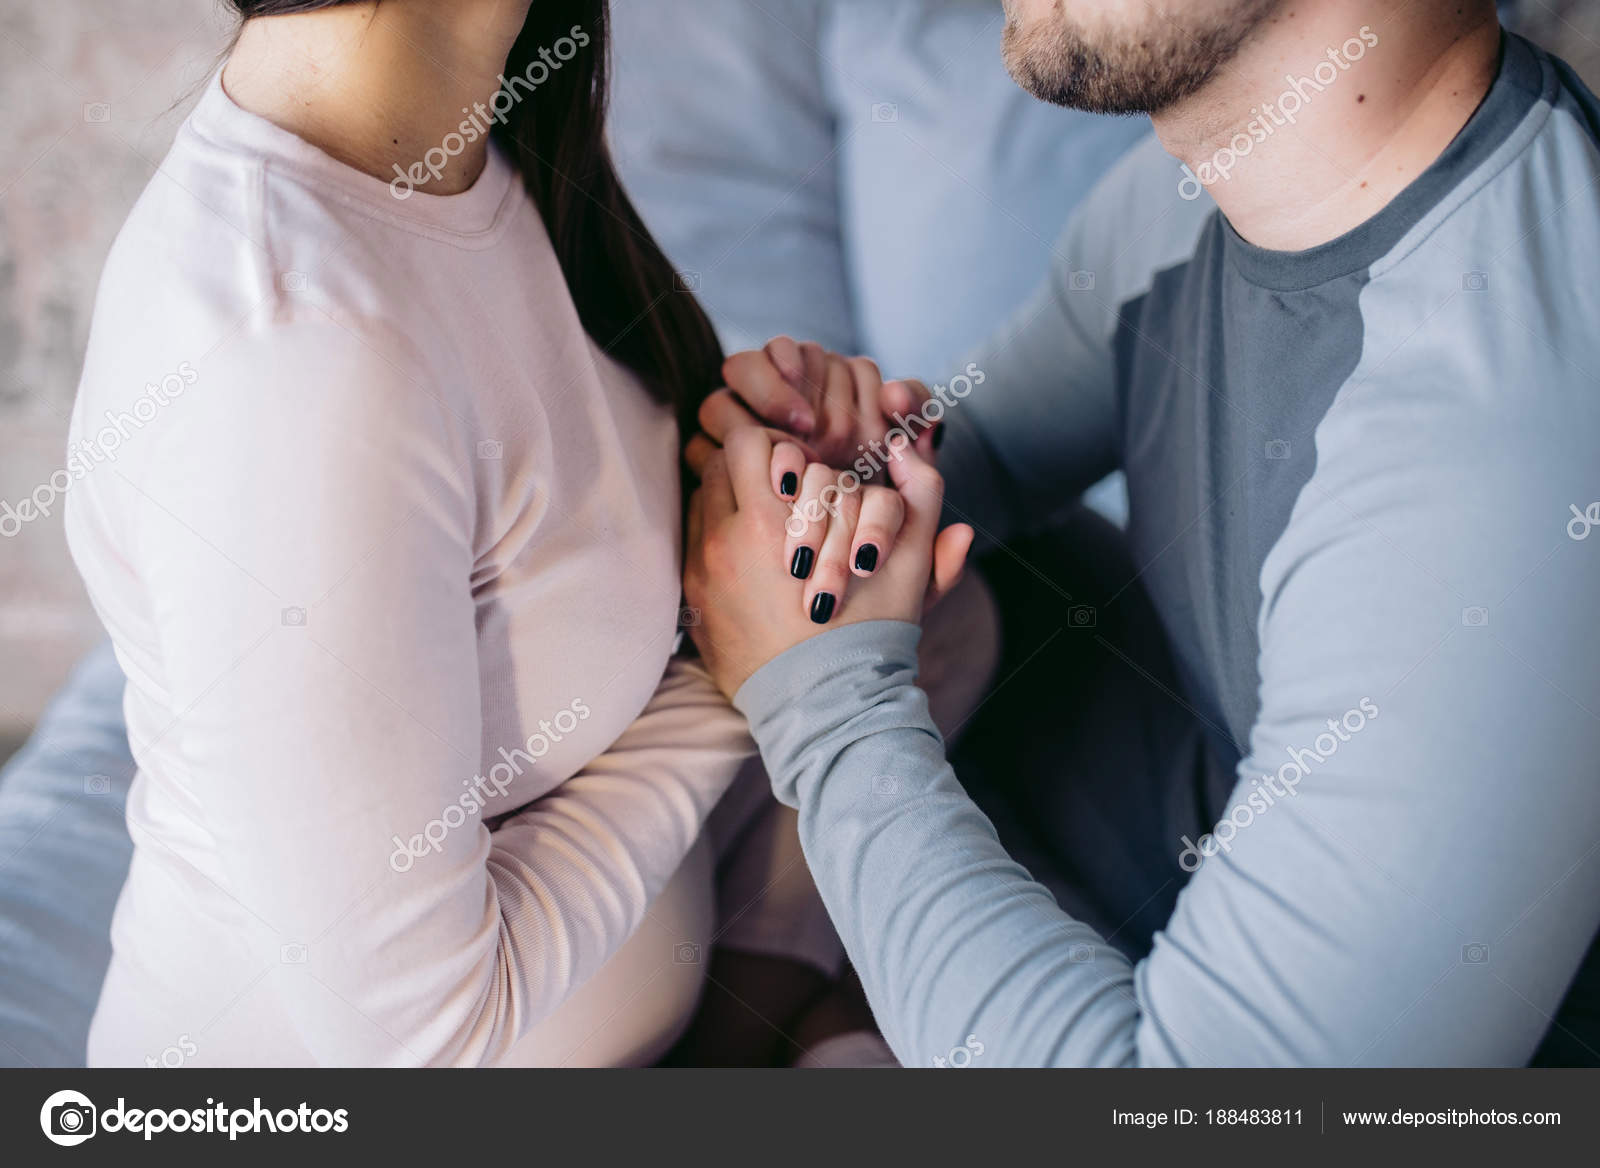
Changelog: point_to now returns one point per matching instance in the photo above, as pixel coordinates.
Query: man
(1355, 403)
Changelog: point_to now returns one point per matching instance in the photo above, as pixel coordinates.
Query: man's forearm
(951, 937)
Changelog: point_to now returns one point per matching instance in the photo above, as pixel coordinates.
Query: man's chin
(1113, 71)
(1059, 67)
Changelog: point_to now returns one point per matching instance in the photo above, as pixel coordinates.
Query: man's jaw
(1101, 65)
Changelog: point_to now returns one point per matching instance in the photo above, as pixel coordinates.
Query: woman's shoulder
(258, 283)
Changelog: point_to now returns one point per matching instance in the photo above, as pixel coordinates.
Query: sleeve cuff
(781, 682)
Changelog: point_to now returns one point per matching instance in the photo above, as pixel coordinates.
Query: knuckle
(830, 575)
(817, 475)
(865, 368)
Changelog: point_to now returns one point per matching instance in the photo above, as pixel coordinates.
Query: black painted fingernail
(938, 436)
(866, 557)
(789, 485)
(800, 566)
(821, 608)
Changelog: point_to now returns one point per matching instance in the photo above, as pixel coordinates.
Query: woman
(382, 513)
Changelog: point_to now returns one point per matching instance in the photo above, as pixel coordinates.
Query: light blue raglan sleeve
(1034, 418)
(1409, 871)
(951, 937)
(1422, 893)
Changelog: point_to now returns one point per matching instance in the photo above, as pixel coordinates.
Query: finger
(756, 381)
(825, 589)
(839, 415)
(814, 363)
(950, 550)
(784, 353)
(904, 395)
(748, 452)
(870, 419)
(807, 523)
(902, 404)
(788, 464)
(882, 512)
(716, 489)
(696, 454)
(922, 487)
(721, 412)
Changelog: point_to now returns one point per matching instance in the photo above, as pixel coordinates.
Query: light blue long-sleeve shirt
(1362, 478)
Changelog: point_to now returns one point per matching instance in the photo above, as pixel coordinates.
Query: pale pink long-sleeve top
(388, 547)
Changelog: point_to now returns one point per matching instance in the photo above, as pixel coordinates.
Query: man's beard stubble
(1120, 71)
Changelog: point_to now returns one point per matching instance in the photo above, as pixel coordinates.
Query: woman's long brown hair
(628, 296)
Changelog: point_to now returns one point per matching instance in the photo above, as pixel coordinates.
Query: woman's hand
(838, 525)
(752, 605)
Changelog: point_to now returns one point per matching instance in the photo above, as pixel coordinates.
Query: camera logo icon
(490, 450)
(67, 1118)
(1475, 281)
(885, 111)
(686, 953)
(885, 785)
(97, 784)
(1081, 281)
(294, 617)
(688, 617)
(1082, 616)
(686, 281)
(1475, 617)
(1475, 954)
(292, 954)
(96, 111)
(1277, 450)
(292, 282)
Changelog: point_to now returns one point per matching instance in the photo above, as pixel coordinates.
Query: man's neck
(1378, 93)
(376, 85)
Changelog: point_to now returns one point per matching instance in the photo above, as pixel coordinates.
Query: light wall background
(91, 92)
(87, 92)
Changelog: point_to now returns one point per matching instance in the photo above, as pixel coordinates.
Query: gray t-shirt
(1360, 479)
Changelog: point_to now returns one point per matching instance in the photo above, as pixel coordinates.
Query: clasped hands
(818, 505)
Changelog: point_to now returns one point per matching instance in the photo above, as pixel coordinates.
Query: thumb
(950, 550)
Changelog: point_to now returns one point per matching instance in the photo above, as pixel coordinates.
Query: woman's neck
(377, 86)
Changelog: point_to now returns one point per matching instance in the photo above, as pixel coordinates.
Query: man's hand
(837, 407)
(752, 607)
